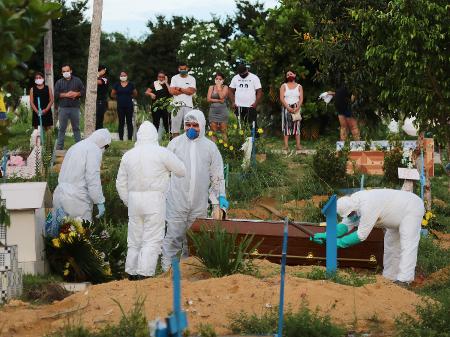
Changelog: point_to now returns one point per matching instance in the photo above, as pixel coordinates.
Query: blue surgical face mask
(191, 133)
(183, 72)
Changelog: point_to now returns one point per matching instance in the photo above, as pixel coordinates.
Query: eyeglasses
(191, 125)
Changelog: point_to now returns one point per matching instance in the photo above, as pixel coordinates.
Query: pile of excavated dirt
(212, 300)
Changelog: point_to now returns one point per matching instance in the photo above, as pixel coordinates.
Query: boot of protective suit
(406, 285)
(343, 134)
(355, 133)
(132, 277)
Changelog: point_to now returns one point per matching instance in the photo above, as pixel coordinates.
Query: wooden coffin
(301, 251)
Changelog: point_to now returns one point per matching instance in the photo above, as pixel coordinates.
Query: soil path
(212, 300)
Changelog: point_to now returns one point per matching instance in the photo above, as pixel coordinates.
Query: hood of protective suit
(199, 117)
(147, 133)
(100, 137)
(345, 206)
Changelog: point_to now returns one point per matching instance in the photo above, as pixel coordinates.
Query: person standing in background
(218, 110)
(45, 95)
(245, 94)
(159, 92)
(102, 97)
(124, 91)
(343, 100)
(182, 87)
(68, 93)
(291, 98)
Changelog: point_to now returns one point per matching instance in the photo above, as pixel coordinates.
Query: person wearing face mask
(124, 91)
(102, 97)
(218, 110)
(187, 198)
(400, 213)
(245, 94)
(79, 186)
(43, 92)
(182, 87)
(142, 183)
(159, 93)
(291, 98)
(68, 92)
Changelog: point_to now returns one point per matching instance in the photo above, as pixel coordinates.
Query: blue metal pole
(329, 210)
(177, 294)
(422, 175)
(283, 272)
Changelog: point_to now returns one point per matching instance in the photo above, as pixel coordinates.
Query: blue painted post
(283, 272)
(329, 210)
(422, 175)
(253, 158)
(177, 295)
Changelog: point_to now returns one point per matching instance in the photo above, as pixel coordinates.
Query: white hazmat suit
(188, 197)
(79, 186)
(400, 213)
(142, 183)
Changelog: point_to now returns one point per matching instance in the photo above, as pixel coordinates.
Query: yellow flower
(225, 145)
(231, 148)
(220, 141)
(424, 223)
(235, 126)
(56, 243)
(72, 234)
(210, 133)
(241, 132)
(428, 215)
(62, 236)
(260, 130)
(66, 272)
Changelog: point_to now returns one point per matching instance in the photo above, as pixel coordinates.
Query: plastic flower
(220, 141)
(56, 243)
(225, 145)
(428, 215)
(235, 126)
(260, 131)
(241, 132)
(62, 236)
(231, 148)
(210, 133)
(66, 272)
(424, 223)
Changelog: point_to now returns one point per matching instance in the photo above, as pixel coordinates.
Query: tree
(22, 25)
(408, 50)
(91, 77)
(205, 54)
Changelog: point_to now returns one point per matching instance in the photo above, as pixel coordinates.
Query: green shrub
(350, 278)
(303, 322)
(392, 161)
(223, 253)
(308, 185)
(330, 165)
(206, 330)
(431, 257)
(311, 213)
(432, 321)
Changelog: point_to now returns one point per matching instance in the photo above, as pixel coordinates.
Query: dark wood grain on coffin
(301, 251)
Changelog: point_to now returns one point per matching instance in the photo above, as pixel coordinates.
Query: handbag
(297, 115)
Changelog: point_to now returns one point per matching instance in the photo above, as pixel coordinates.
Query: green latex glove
(319, 238)
(348, 240)
(341, 229)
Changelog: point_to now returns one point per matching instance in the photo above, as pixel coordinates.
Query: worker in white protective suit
(188, 196)
(142, 183)
(79, 186)
(400, 213)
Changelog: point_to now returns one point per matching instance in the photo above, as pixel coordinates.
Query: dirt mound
(439, 277)
(443, 239)
(212, 301)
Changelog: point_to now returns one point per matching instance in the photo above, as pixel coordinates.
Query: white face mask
(67, 74)
(123, 78)
(39, 81)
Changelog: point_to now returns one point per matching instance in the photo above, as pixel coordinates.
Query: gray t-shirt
(73, 84)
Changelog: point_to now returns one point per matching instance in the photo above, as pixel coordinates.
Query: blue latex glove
(223, 202)
(319, 238)
(101, 210)
(348, 240)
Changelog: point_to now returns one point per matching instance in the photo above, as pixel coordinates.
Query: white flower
(214, 46)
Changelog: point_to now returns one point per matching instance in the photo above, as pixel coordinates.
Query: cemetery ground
(355, 302)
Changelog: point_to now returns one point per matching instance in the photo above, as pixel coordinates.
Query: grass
(350, 278)
(302, 322)
(223, 253)
(431, 257)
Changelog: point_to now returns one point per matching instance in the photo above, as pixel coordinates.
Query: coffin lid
(30, 195)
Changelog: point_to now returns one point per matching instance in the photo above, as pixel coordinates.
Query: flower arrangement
(72, 253)
(429, 220)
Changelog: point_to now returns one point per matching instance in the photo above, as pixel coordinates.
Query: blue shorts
(346, 114)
